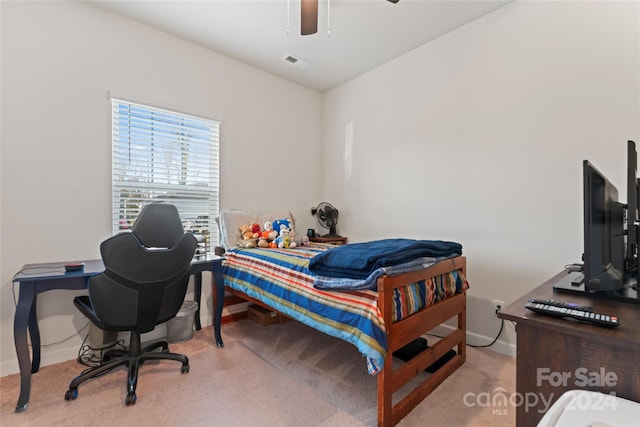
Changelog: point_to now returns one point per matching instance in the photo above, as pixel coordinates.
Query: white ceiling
(363, 33)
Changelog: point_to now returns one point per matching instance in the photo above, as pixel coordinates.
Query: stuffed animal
(249, 243)
(295, 238)
(247, 240)
(284, 240)
(279, 224)
(255, 229)
(245, 232)
(279, 241)
(269, 233)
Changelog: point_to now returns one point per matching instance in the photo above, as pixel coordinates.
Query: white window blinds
(164, 156)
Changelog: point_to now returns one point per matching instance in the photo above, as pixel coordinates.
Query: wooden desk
(556, 355)
(35, 279)
(211, 263)
(332, 240)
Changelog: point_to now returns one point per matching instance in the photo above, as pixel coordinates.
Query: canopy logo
(500, 401)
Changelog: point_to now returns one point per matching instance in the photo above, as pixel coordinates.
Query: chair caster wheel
(71, 394)
(131, 399)
(184, 369)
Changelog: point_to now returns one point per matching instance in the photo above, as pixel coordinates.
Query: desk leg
(197, 290)
(218, 303)
(21, 320)
(34, 333)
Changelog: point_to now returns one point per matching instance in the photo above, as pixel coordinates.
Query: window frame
(163, 155)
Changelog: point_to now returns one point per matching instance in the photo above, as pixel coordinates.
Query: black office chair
(144, 284)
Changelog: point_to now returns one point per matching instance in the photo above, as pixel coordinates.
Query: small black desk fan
(327, 217)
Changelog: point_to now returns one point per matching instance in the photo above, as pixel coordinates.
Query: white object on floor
(581, 408)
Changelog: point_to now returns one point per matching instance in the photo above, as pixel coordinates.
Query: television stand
(571, 283)
(557, 355)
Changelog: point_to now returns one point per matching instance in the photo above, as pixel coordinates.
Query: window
(164, 156)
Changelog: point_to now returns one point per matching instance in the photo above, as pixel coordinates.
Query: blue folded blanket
(359, 260)
(371, 282)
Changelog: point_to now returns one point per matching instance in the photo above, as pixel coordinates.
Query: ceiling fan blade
(308, 17)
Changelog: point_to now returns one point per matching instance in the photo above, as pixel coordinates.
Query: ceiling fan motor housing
(309, 16)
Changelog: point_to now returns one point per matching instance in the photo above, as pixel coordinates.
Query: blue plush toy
(285, 239)
(278, 224)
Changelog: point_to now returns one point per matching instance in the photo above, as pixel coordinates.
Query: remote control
(562, 304)
(598, 319)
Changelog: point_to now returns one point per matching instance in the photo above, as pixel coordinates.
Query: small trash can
(180, 328)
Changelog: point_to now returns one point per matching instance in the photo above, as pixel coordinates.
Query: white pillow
(230, 221)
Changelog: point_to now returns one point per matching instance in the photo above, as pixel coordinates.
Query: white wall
(476, 137)
(479, 137)
(59, 62)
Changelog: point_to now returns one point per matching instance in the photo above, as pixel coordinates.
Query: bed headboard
(230, 221)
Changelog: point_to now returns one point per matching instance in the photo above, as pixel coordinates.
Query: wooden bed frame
(406, 330)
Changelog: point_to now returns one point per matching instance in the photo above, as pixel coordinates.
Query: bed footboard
(403, 332)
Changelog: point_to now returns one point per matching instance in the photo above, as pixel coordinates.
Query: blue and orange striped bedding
(280, 278)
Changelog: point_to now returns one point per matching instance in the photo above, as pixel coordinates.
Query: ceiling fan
(309, 16)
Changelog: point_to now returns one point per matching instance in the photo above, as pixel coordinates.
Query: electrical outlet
(497, 306)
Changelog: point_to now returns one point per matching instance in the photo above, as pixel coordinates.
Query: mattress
(280, 278)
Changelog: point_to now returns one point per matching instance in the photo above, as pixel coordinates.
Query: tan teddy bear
(247, 237)
(245, 232)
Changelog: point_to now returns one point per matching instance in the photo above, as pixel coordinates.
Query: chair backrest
(143, 284)
(158, 225)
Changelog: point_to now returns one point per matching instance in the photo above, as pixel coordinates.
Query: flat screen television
(604, 243)
(633, 210)
(611, 236)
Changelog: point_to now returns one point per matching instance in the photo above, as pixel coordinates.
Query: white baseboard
(49, 357)
(52, 356)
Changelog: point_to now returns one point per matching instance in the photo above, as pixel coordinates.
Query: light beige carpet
(278, 375)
